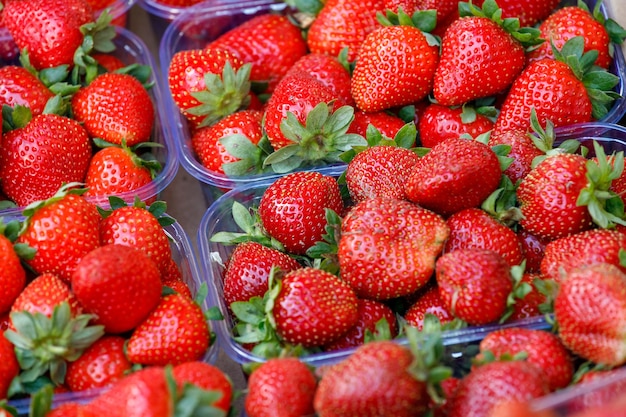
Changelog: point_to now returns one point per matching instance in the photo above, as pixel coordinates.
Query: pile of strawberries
(248, 95)
(72, 110)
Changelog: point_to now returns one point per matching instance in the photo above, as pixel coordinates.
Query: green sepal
(309, 7)
(143, 74)
(4, 406)
(15, 117)
(41, 402)
(250, 156)
(326, 249)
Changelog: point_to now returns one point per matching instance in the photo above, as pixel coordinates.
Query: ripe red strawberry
(590, 310)
(208, 377)
(379, 171)
(270, 42)
(585, 248)
(314, 307)
(69, 409)
(65, 214)
(542, 348)
(548, 197)
(557, 92)
(115, 107)
(292, 209)
(395, 67)
(429, 302)
(486, 386)
(474, 284)
(530, 304)
(21, 87)
(174, 332)
(454, 175)
(119, 284)
(343, 24)
(114, 170)
(529, 13)
(330, 71)
(12, 275)
(368, 326)
(281, 387)
(388, 248)
(229, 146)
(523, 151)
(188, 75)
(101, 364)
(567, 22)
(376, 377)
(109, 62)
(140, 227)
(474, 228)
(385, 122)
(47, 152)
(248, 268)
(9, 368)
(440, 122)
(43, 294)
(480, 56)
(533, 248)
(48, 29)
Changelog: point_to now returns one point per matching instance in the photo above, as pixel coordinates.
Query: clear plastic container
(197, 26)
(184, 256)
(170, 12)
(131, 49)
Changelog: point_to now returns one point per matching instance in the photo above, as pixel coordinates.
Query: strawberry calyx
(44, 345)
(404, 138)
(11, 231)
(191, 400)
(157, 209)
(322, 138)
(224, 94)
(605, 206)
(97, 36)
(487, 356)
(616, 32)
(146, 160)
(598, 82)
(520, 290)
(248, 220)
(250, 156)
(427, 350)
(424, 20)
(324, 252)
(65, 189)
(141, 72)
(529, 37)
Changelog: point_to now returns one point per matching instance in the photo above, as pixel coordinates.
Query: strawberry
(247, 270)
(557, 92)
(388, 248)
(440, 122)
(481, 55)
(208, 84)
(280, 387)
(533, 248)
(590, 311)
(101, 364)
(118, 283)
(369, 326)
(529, 305)
(331, 71)
(305, 125)
(314, 307)
(293, 208)
(230, 144)
(115, 107)
(428, 302)
(270, 42)
(395, 67)
(21, 87)
(206, 376)
(43, 294)
(175, 331)
(381, 169)
(380, 378)
(541, 348)
(585, 248)
(470, 280)
(529, 13)
(567, 22)
(48, 29)
(139, 227)
(65, 214)
(386, 123)
(9, 368)
(114, 170)
(109, 62)
(474, 228)
(496, 382)
(41, 155)
(454, 175)
(343, 24)
(13, 275)
(177, 285)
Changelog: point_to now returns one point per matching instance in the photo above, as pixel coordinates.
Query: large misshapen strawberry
(388, 247)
